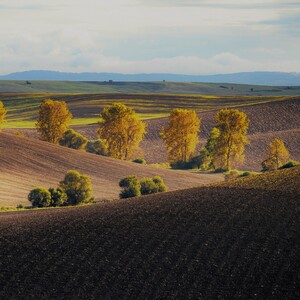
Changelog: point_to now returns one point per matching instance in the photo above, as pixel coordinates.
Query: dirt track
(201, 243)
(26, 163)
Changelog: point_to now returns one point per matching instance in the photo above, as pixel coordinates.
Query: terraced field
(236, 241)
(26, 163)
(23, 107)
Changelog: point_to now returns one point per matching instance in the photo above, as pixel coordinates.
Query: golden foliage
(53, 121)
(2, 114)
(181, 134)
(233, 125)
(121, 130)
(276, 155)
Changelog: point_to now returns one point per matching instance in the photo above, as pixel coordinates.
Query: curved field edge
(26, 163)
(208, 242)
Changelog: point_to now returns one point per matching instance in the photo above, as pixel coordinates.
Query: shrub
(160, 184)
(290, 164)
(148, 186)
(78, 187)
(73, 139)
(131, 187)
(58, 197)
(231, 175)
(97, 147)
(39, 197)
(181, 165)
(141, 161)
(245, 174)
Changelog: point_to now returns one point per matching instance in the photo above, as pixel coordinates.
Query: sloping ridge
(26, 163)
(267, 121)
(217, 242)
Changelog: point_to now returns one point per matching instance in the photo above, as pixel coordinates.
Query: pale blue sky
(142, 36)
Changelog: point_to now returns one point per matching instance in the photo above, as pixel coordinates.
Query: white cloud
(74, 35)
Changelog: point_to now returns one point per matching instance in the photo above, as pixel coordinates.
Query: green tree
(181, 134)
(131, 187)
(39, 197)
(276, 155)
(98, 147)
(121, 129)
(230, 145)
(53, 120)
(73, 139)
(3, 112)
(78, 187)
(58, 197)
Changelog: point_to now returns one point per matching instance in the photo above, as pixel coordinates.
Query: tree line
(121, 131)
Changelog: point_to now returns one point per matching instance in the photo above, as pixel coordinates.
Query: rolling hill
(267, 121)
(153, 87)
(26, 163)
(256, 78)
(235, 241)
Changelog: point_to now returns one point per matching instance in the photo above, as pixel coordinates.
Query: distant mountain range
(255, 78)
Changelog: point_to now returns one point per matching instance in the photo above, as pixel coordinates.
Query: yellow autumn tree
(53, 121)
(276, 155)
(181, 134)
(230, 145)
(121, 130)
(2, 114)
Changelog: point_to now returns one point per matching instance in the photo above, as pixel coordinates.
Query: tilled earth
(201, 243)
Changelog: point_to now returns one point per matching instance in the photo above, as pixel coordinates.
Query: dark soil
(202, 243)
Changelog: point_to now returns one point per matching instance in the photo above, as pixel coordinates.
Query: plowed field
(26, 163)
(227, 242)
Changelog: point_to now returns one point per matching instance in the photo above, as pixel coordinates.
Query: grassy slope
(26, 163)
(23, 107)
(227, 242)
(286, 180)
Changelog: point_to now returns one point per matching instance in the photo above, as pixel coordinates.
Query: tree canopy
(78, 187)
(73, 139)
(53, 121)
(2, 114)
(181, 134)
(121, 129)
(230, 145)
(276, 155)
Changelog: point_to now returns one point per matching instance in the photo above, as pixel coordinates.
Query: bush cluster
(141, 161)
(290, 164)
(76, 188)
(133, 187)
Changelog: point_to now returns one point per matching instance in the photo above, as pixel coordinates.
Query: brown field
(26, 163)
(267, 121)
(236, 241)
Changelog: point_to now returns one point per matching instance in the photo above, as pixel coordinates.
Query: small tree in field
(53, 121)
(230, 144)
(131, 187)
(2, 114)
(73, 139)
(97, 147)
(78, 187)
(152, 185)
(181, 134)
(121, 129)
(39, 197)
(276, 155)
(58, 197)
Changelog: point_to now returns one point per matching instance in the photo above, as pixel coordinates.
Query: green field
(23, 107)
(145, 87)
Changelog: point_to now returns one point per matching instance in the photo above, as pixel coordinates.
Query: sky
(150, 36)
